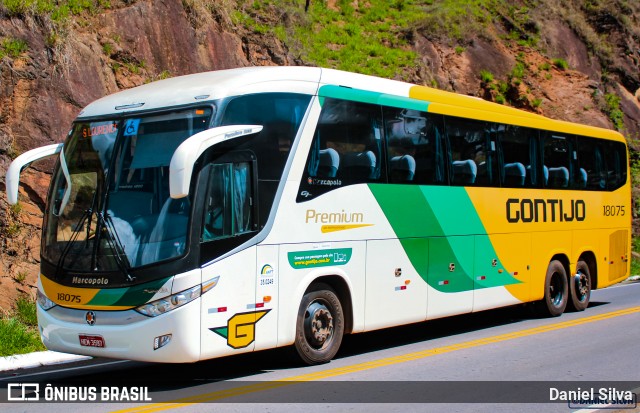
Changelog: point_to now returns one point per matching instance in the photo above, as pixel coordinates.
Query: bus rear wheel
(556, 291)
(320, 325)
(580, 287)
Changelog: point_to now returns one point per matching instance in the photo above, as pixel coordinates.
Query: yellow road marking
(267, 385)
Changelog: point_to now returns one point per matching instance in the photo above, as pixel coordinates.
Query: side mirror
(22, 162)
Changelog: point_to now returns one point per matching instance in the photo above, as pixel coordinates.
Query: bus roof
(207, 86)
(202, 87)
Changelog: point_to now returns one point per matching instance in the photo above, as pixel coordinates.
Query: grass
(57, 10)
(19, 329)
(635, 262)
(457, 20)
(560, 63)
(366, 37)
(12, 47)
(486, 76)
(612, 108)
(55, 15)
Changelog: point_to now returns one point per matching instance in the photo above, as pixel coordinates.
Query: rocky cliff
(54, 64)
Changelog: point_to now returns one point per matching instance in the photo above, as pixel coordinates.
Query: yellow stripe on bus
(72, 297)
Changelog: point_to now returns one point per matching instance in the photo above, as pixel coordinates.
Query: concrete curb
(37, 359)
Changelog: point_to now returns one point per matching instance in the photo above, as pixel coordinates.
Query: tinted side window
(557, 156)
(347, 148)
(471, 152)
(590, 171)
(280, 114)
(616, 159)
(518, 156)
(414, 147)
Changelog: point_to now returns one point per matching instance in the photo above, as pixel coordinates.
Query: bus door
(450, 275)
(231, 310)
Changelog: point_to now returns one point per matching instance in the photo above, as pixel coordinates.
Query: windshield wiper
(86, 216)
(106, 225)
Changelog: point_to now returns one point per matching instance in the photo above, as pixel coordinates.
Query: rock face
(44, 87)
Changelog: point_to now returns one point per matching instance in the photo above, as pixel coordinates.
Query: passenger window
(518, 166)
(471, 152)
(557, 157)
(346, 148)
(590, 171)
(228, 209)
(414, 147)
(616, 159)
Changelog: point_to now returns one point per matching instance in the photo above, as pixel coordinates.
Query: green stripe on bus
(376, 98)
(446, 215)
(128, 296)
(140, 294)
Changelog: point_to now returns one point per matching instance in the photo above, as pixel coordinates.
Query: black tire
(556, 291)
(320, 326)
(580, 287)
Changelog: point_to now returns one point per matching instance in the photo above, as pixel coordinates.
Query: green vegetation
(165, 74)
(560, 63)
(457, 20)
(135, 67)
(13, 224)
(546, 66)
(612, 109)
(19, 329)
(635, 262)
(517, 73)
(107, 48)
(53, 14)
(57, 10)
(12, 47)
(25, 311)
(21, 276)
(486, 76)
(366, 37)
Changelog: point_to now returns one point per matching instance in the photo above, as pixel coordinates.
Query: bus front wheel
(320, 325)
(556, 291)
(580, 287)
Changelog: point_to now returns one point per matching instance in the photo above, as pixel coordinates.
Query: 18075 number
(69, 298)
(613, 210)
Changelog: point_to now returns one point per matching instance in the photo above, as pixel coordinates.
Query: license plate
(91, 341)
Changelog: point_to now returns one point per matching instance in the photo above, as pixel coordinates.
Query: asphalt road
(496, 361)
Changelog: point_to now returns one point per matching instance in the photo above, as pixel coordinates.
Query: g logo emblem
(90, 318)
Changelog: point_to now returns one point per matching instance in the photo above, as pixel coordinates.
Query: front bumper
(127, 334)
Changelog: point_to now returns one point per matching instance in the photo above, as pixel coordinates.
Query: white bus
(247, 209)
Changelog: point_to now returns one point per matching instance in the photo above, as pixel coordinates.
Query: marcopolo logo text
(90, 280)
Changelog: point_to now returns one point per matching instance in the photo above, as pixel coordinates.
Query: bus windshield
(109, 203)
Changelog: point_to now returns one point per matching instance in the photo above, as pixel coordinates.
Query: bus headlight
(164, 305)
(44, 301)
